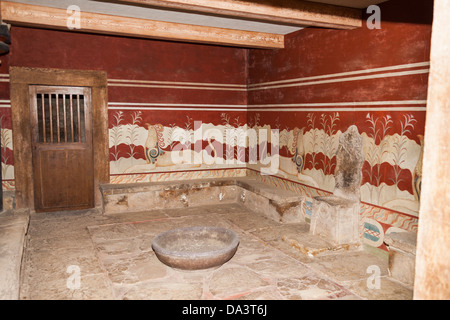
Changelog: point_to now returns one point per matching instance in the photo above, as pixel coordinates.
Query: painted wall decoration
(309, 93)
(6, 149)
(153, 89)
(7, 160)
(138, 147)
(391, 172)
(393, 160)
(374, 79)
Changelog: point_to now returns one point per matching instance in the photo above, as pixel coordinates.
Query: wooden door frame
(20, 80)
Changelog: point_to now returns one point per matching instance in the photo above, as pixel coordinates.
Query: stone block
(402, 256)
(276, 208)
(336, 220)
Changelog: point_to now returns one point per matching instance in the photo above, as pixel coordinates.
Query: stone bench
(13, 229)
(279, 205)
(402, 255)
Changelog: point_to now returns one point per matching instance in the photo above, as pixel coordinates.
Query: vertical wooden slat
(51, 117)
(78, 115)
(65, 121)
(71, 115)
(82, 117)
(57, 118)
(44, 133)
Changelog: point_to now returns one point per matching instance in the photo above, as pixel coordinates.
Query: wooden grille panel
(60, 117)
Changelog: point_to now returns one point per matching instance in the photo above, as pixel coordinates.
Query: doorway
(60, 136)
(62, 154)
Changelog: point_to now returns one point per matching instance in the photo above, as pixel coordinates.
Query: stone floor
(88, 255)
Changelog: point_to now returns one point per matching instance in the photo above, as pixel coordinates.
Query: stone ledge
(402, 256)
(136, 197)
(13, 228)
(280, 205)
(275, 194)
(404, 241)
(108, 189)
(336, 220)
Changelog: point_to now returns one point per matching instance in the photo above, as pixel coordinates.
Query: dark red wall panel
(375, 79)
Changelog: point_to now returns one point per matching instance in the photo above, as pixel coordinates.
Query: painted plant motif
(312, 150)
(392, 172)
(115, 134)
(399, 150)
(378, 129)
(5, 145)
(132, 131)
(329, 147)
(234, 136)
(229, 153)
(314, 142)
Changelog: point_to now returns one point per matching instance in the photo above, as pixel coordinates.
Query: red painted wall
(331, 70)
(323, 80)
(155, 76)
(404, 37)
(130, 57)
(326, 80)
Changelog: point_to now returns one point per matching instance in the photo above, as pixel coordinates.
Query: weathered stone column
(432, 279)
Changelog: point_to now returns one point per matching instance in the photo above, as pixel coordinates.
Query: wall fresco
(393, 160)
(391, 172)
(137, 146)
(310, 92)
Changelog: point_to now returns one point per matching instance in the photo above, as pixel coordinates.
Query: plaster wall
(326, 80)
(311, 91)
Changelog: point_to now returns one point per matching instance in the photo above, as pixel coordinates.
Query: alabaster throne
(336, 217)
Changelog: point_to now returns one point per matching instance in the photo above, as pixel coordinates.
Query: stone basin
(194, 248)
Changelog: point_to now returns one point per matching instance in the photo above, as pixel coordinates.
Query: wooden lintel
(55, 18)
(293, 12)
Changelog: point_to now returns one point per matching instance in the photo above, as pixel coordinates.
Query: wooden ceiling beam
(293, 12)
(54, 18)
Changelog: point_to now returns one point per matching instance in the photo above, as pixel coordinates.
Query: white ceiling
(185, 17)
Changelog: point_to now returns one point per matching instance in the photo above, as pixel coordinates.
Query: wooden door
(63, 166)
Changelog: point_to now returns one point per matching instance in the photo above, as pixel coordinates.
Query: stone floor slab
(117, 262)
(235, 281)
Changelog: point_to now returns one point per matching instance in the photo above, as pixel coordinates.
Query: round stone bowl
(195, 248)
